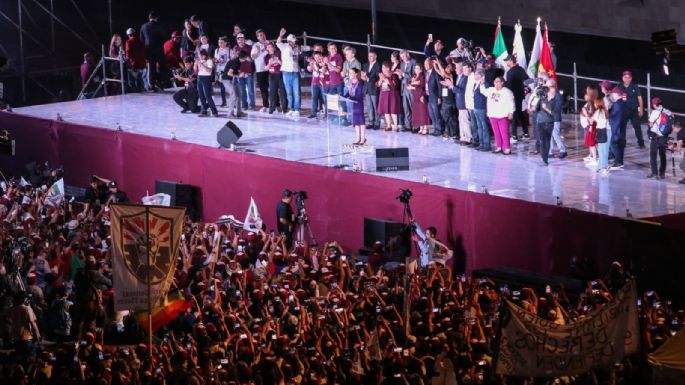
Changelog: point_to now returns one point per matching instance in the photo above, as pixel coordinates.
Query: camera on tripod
(405, 195)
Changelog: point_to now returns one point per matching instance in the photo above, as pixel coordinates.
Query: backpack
(665, 122)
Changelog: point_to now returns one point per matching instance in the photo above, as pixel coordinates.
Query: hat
(656, 101)
(628, 73)
(240, 35)
(130, 31)
(175, 34)
(291, 37)
(510, 58)
(606, 84)
(617, 91)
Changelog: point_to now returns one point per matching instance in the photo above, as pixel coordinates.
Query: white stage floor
(443, 163)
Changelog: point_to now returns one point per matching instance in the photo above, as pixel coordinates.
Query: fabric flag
(499, 51)
(139, 257)
(55, 193)
(159, 199)
(546, 63)
(518, 49)
(174, 305)
(23, 182)
(253, 222)
(537, 347)
(535, 55)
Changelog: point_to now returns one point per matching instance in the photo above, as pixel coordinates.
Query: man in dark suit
(433, 92)
(406, 72)
(153, 37)
(370, 73)
(515, 77)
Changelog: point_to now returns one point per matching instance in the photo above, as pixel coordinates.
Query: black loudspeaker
(228, 135)
(392, 159)
(395, 237)
(183, 195)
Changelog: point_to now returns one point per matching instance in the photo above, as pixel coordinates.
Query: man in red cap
(172, 52)
(660, 126)
(634, 105)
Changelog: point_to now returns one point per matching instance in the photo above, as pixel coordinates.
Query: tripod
(302, 225)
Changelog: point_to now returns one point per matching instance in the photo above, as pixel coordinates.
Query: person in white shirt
(469, 103)
(290, 53)
(204, 67)
(658, 139)
(500, 107)
(258, 54)
(222, 54)
(461, 50)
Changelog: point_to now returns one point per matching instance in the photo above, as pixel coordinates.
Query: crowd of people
(463, 95)
(263, 312)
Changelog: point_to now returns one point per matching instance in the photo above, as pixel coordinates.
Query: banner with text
(533, 346)
(131, 264)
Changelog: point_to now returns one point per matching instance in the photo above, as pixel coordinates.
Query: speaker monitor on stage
(228, 135)
(392, 159)
(395, 236)
(183, 195)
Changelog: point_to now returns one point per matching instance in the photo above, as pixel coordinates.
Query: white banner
(253, 222)
(55, 194)
(132, 266)
(537, 347)
(159, 199)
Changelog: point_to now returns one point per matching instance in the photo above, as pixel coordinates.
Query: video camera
(404, 196)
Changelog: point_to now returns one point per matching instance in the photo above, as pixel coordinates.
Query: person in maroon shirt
(87, 68)
(172, 51)
(319, 72)
(272, 61)
(246, 80)
(335, 65)
(135, 54)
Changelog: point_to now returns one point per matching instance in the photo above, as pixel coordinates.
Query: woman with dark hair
(355, 93)
(389, 98)
(419, 117)
(189, 38)
(586, 113)
(204, 68)
(116, 48)
(501, 106)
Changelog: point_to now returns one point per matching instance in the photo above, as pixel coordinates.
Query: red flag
(546, 63)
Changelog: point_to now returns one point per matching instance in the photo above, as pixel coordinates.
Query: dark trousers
(519, 119)
(222, 92)
(263, 85)
(657, 145)
(407, 103)
(187, 99)
(631, 115)
(371, 107)
(436, 118)
(618, 140)
(545, 132)
(317, 98)
(448, 112)
(276, 91)
(204, 89)
(157, 69)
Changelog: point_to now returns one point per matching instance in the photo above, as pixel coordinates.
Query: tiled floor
(440, 162)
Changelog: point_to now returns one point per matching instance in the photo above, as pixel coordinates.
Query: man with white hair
(290, 53)
(461, 50)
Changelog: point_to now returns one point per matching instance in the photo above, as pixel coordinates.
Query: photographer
(677, 146)
(285, 217)
(462, 50)
(187, 96)
(547, 108)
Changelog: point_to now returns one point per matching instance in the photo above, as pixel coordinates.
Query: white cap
(130, 31)
(291, 37)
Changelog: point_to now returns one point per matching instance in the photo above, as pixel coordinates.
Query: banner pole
(149, 299)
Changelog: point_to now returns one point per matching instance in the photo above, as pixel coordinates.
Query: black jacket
(372, 73)
(153, 37)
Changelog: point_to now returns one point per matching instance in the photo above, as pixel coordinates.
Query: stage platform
(442, 163)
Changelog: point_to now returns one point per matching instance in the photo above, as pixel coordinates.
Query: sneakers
(589, 158)
(288, 113)
(617, 166)
(563, 155)
(263, 109)
(203, 114)
(603, 171)
(294, 114)
(652, 176)
(311, 116)
(513, 140)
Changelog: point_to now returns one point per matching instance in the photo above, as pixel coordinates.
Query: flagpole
(149, 285)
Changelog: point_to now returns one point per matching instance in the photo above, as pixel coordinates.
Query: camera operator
(187, 96)
(545, 110)
(677, 146)
(463, 50)
(285, 217)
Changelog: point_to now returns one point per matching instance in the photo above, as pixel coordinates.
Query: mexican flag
(174, 305)
(55, 194)
(499, 51)
(518, 49)
(546, 63)
(535, 55)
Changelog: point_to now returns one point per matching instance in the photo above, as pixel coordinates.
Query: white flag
(519, 51)
(144, 247)
(535, 55)
(159, 199)
(253, 222)
(55, 193)
(23, 182)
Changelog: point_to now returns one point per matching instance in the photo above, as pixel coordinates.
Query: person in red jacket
(172, 52)
(135, 54)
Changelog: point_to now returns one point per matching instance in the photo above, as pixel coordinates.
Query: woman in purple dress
(420, 117)
(389, 98)
(355, 93)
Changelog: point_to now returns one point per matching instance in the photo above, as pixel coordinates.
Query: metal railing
(101, 66)
(574, 76)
